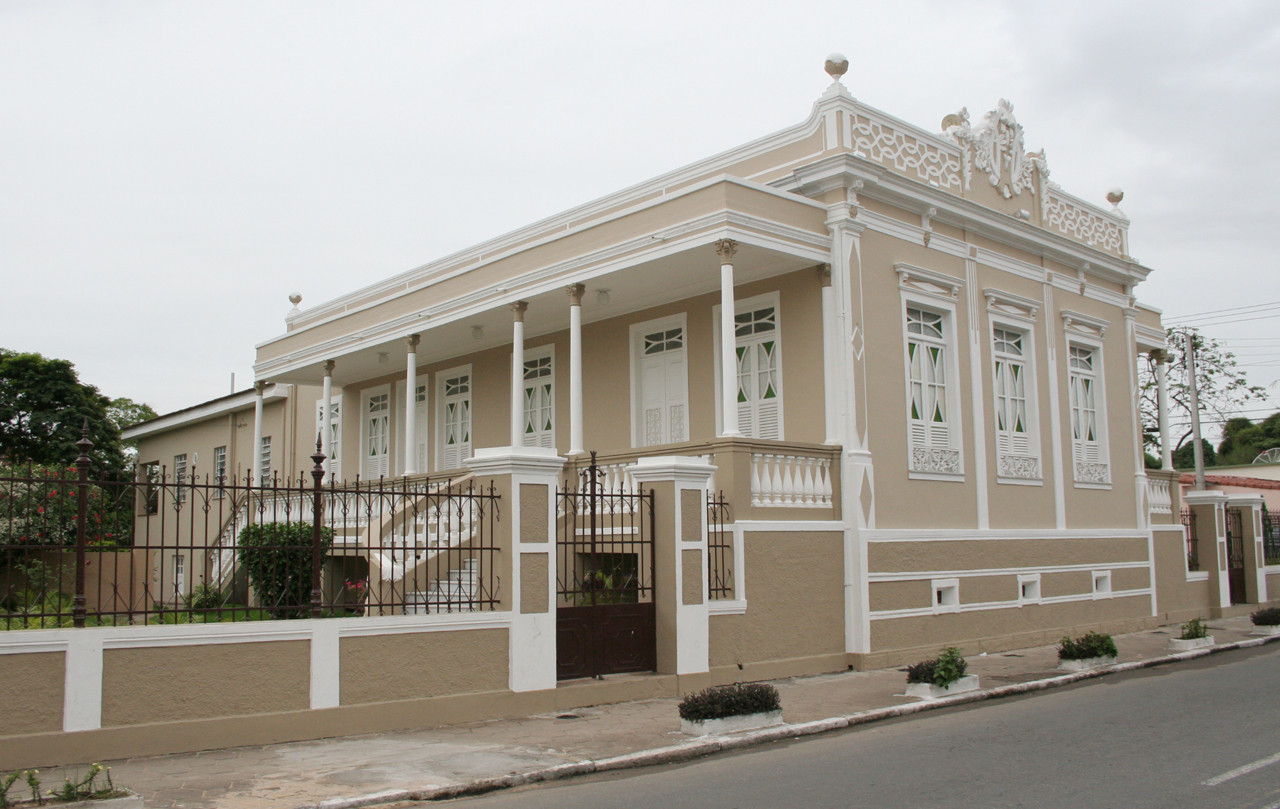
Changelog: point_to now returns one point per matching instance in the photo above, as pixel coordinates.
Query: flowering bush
(39, 505)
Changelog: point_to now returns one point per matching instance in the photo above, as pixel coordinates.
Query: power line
(1197, 315)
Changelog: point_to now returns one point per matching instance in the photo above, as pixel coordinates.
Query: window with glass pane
(759, 381)
(539, 403)
(927, 366)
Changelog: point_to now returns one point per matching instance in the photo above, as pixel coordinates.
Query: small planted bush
(1194, 629)
(942, 671)
(1268, 617)
(730, 700)
(1094, 644)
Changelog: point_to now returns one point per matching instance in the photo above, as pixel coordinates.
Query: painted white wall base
(1086, 664)
(730, 724)
(1184, 645)
(969, 682)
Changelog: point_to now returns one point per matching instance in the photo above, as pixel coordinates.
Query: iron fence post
(317, 514)
(82, 513)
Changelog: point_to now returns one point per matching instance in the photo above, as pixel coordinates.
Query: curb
(707, 745)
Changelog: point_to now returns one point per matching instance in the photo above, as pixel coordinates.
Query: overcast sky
(171, 171)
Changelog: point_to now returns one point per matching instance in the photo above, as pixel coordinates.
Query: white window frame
(917, 468)
(1012, 467)
(366, 398)
(767, 300)
(179, 476)
(946, 595)
(638, 331)
(1029, 588)
(441, 378)
(220, 471)
(541, 437)
(264, 460)
(335, 426)
(1098, 375)
(179, 577)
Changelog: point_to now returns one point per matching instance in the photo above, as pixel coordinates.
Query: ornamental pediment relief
(994, 146)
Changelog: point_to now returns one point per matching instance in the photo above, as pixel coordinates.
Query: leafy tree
(1222, 386)
(277, 557)
(125, 412)
(1243, 440)
(1184, 457)
(43, 405)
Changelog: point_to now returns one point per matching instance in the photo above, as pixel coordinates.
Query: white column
(411, 407)
(830, 358)
(517, 373)
(1162, 405)
(255, 454)
(325, 431)
(725, 248)
(575, 368)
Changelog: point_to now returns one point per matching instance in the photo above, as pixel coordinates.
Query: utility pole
(1195, 409)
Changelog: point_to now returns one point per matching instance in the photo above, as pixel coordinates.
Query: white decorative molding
(970, 535)
(928, 282)
(931, 162)
(935, 461)
(1094, 229)
(1098, 473)
(1084, 325)
(1010, 305)
(1159, 498)
(792, 481)
(1021, 467)
(995, 146)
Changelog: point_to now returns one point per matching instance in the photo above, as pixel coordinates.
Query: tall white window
(179, 576)
(659, 382)
(758, 338)
(454, 397)
(264, 460)
(1088, 425)
(180, 477)
(334, 450)
(932, 417)
(1017, 452)
(375, 444)
(220, 470)
(539, 399)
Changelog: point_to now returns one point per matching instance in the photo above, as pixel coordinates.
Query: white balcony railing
(793, 481)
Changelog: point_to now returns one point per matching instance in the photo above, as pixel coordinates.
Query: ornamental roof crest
(995, 146)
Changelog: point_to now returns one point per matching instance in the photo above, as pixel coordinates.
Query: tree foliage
(43, 405)
(1222, 385)
(1244, 440)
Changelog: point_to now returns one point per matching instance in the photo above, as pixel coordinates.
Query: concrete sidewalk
(409, 765)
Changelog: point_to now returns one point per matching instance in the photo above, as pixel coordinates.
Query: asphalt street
(1201, 734)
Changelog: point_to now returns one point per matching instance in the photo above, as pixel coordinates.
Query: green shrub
(277, 558)
(1194, 630)
(941, 671)
(1268, 617)
(1094, 644)
(204, 597)
(730, 700)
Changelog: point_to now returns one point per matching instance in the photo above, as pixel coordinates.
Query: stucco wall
(385, 668)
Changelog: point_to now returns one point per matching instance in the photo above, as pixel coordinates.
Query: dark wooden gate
(1235, 555)
(605, 619)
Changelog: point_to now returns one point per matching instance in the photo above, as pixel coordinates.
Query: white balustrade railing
(794, 481)
(1159, 498)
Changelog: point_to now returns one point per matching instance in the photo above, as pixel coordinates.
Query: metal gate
(1235, 555)
(605, 619)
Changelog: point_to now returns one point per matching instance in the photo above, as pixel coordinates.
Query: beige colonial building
(921, 410)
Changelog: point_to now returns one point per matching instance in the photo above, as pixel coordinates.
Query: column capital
(259, 386)
(1159, 356)
(824, 274)
(517, 310)
(575, 292)
(725, 249)
(328, 367)
(413, 341)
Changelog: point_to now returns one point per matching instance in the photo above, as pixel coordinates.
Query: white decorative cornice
(1082, 324)
(928, 282)
(1149, 337)
(994, 146)
(1010, 305)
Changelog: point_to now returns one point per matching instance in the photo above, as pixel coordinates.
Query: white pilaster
(325, 429)
(1055, 466)
(82, 687)
(255, 453)
(411, 407)
(517, 372)
(725, 249)
(575, 369)
(977, 338)
(1162, 404)
(532, 637)
(326, 677)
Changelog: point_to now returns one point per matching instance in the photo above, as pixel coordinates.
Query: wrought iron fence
(720, 559)
(1193, 542)
(169, 549)
(1271, 537)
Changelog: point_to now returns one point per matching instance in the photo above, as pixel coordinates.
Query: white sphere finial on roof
(837, 65)
(1115, 195)
(295, 298)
